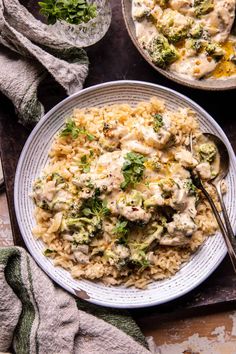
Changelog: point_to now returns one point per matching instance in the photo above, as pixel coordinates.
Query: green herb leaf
(85, 164)
(121, 230)
(94, 206)
(192, 189)
(74, 131)
(58, 178)
(71, 11)
(132, 169)
(48, 251)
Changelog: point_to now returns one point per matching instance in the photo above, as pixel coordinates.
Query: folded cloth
(36, 316)
(41, 50)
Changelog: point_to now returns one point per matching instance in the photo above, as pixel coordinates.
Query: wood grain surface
(115, 58)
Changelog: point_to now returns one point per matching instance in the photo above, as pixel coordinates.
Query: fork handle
(230, 242)
(225, 213)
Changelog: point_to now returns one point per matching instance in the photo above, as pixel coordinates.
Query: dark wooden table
(115, 58)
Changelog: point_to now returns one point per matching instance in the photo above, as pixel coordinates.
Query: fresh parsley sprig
(121, 230)
(71, 11)
(132, 169)
(94, 206)
(74, 131)
(84, 164)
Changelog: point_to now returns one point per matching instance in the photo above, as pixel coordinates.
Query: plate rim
(171, 76)
(42, 265)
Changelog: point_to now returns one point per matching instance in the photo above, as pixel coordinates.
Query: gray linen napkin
(40, 50)
(38, 317)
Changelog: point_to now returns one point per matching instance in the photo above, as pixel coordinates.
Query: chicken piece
(219, 21)
(204, 170)
(80, 257)
(182, 6)
(179, 240)
(113, 134)
(121, 251)
(148, 135)
(151, 257)
(105, 174)
(194, 67)
(136, 146)
(179, 200)
(186, 158)
(56, 222)
(141, 8)
(155, 193)
(61, 200)
(133, 213)
(83, 248)
(46, 191)
(173, 25)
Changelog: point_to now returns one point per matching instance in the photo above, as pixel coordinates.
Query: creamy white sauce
(217, 25)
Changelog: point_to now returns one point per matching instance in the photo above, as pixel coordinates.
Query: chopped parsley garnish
(48, 251)
(132, 169)
(192, 189)
(121, 230)
(57, 178)
(74, 131)
(94, 206)
(71, 11)
(157, 122)
(85, 164)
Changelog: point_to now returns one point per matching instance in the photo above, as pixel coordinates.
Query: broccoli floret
(84, 228)
(174, 26)
(207, 152)
(203, 7)
(196, 32)
(89, 220)
(214, 50)
(162, 52)
(155, 236)
(195, 44)
(157, 122)
(140, 10)
(81, 238)
(138, 255)
(118, 256)
(176, 36)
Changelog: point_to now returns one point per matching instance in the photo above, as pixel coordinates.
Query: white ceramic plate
(35, 155)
